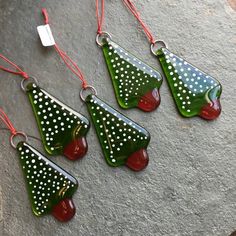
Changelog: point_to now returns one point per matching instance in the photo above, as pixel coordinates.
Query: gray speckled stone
(189, 188)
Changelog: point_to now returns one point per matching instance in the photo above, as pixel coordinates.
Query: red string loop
(74, 68)
(19, 70)
(135, 12)
(7, 122)
(100, 18)
(67, 60)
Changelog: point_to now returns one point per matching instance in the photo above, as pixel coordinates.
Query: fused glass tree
(136, 84)
(63, 130)
(195, 93)
(123, 141)
(50, 188)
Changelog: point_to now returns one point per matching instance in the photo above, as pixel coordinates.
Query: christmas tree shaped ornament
(195, 92)
(122, 140)
(135, 83)
(62, 129)
(50, 188)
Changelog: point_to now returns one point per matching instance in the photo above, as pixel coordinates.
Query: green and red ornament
(50, 187)
(136, 84)
(123, 141)
(62, 129)
(195, 92)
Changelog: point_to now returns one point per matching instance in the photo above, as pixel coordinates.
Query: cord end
(24, 75)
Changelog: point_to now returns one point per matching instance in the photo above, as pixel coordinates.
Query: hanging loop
(103, 36)
(157, 45)
(129, 4)
(18, 134)
(100, 16)
(14, 133)
(90, 88)
(25, 82)
(18, 69)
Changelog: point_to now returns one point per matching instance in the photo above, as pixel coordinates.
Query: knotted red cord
(67, 60)
(7, 122)
(19, 70)
(135, 12)
(100, 19)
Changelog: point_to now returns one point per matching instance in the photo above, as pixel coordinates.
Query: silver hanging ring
(25, 138)
(155, 45)
(24, 83)
(92, 90)
(101, 37)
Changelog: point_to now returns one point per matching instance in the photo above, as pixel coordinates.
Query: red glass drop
(211, 111)
(76, 149)
(150, 101)
(64, 210)
(138, 160)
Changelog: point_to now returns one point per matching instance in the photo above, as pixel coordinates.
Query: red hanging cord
(135, 12)
(19, 70)
(67, 60)
(100, 19)
(45, 15)
(7, 122)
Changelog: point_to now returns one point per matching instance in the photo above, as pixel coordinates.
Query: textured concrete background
(189, 187)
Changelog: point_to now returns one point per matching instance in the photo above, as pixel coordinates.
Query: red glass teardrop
(211, 111)
(138, 160)
(150, 101)
(76, 149)
(64, 210)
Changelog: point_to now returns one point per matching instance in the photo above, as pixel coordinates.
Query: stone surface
(189, 187)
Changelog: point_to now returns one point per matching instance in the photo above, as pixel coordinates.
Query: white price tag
(45, 35)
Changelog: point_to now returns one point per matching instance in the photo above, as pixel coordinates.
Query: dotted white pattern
(131, 77)
(118, 135)
(189, 85)
(56, 120)
(46, 181)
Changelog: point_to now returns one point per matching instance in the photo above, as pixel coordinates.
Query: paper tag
(45, 35)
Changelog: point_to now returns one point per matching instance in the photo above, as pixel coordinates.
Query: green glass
(62, 129)
(47, 183)
(195, 93)
(136, 84)
(120, 137)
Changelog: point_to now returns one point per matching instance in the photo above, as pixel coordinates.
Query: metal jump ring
(23, 87)
(99, 38)
(88, 87)
(18, 134)
(158, 42)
